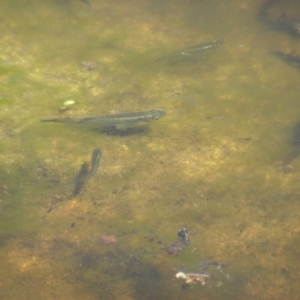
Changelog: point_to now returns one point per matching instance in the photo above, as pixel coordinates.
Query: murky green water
(215, 164)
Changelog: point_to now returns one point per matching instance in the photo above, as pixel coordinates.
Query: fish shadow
(112, 131)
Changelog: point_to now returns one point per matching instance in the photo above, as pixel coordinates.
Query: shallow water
(216, 163)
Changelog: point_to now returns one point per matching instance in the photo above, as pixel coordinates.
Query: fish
(201, 47)
(183, 236)
(192, 51)
(118, 121)
(83, 175)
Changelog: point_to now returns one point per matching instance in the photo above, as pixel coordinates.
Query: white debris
(181, 275)
(69, 102)
(66, 105)
(193, 277)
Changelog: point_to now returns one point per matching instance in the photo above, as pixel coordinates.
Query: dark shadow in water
(284, 23)
(146, 280)
(289, 58)
(84, 170)
(101, 272)
(112, 131)
(6, 237)
(295, 142)
(93, 272)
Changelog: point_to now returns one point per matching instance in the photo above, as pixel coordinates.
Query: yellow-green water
(214, 164)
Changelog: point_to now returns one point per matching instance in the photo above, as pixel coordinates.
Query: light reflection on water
(216, 163)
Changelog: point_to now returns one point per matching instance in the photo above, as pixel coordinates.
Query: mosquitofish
(183, 236)
(201, 47)
(83, 175)
(194, 50)
(118, 121)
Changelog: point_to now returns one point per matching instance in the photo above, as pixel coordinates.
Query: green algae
(213, 165)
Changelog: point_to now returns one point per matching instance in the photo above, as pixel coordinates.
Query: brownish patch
(108, 239)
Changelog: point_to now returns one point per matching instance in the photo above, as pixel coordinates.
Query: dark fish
(283, 23)
(183, 236)
(118, 121)
(83, 175)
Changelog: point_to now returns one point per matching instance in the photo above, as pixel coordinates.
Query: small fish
(201, 47)
(191, 51)
(118, 121)
(83, 175)
(183, 236)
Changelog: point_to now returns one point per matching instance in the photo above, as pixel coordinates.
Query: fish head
(157, 114)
